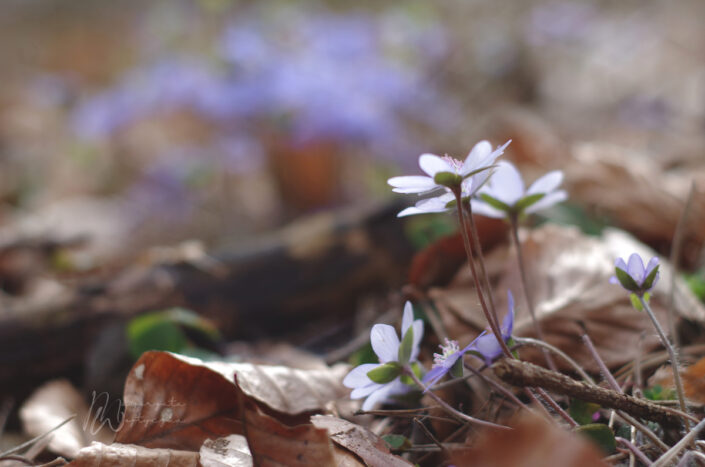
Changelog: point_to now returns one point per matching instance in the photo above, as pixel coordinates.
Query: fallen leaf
(693, 377)
(369, 447)
(176, 401)
(230, 451)
(568, 275)
(101, 455)
(53, 403)
(532, 443)
(273, 443)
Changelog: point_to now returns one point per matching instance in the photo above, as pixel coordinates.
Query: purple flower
(485, 346)
(378, 382)
(633, 276)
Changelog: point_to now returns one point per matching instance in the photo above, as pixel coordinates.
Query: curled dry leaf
(532, 443)
(368, 446)
(55, 402)
(176, 401)
(230, 451)
(568, 275)
(101, 455)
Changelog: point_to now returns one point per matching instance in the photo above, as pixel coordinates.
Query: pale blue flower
(385, 344)
(633, 276)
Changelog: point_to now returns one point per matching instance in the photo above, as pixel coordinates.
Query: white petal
(411, 211)
(364, 391)
(507, 184)
(484, 209)
(432, 164)
(436, 204)
(412, 184)
(418, 335)
(547, 183)
(477, 155)
(385, 342)
(358, 376)
(407, 317)
(548, 201)
(377, 397)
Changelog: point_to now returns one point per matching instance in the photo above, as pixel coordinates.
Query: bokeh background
(147, 123)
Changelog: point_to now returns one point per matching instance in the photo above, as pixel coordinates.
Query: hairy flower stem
(489, 316)
(672, 355)
(525, 285)
(450, 410)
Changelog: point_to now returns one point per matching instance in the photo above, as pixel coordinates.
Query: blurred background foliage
(148, 123)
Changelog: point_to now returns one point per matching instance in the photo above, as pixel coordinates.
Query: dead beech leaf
(568, 275)
(230, 451)
(176, 401)
(101, 455)
(273, 443)
(53, 403)
(368, 446)
(532, 443)
(693, 377)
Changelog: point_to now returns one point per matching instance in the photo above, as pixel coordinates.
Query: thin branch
(672, 453)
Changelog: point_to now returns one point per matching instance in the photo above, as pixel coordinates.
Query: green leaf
(495, 203)
(385, 373)
(408, 380)
(397, 442)
(582, 411)
(649, 281)
(458, 368)
(636, 303)
(406, 346)
(696, 282)
(448, 179)
(601, 435)
(527, 201)
(626, 280)
(364, 354)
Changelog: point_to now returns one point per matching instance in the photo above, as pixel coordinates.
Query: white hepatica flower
(504, 195)
(448, 174)
(386, 345)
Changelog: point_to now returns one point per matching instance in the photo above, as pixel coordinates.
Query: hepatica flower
(485, 346)
(505, 195)
(634, 277)
(379, 382)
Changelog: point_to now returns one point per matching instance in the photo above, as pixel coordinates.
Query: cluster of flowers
(493, 189)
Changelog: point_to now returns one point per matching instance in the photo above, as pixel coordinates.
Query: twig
(668, 457)
(524, 374)
(601, 363)
(634, 450)
(430, 435)
(37, 438)
(678, 237)
(554, 405)
(497, 386)
(557, 351)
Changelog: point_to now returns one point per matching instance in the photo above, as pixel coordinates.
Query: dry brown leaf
(230, 451)
(693, 378)
(273, 443)
(368, 446)
(52, 404)
(532, 443)
(100, 455)
(569, 281)
(176, 401)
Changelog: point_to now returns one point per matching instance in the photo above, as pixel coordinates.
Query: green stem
(525, 285)
(672, 355)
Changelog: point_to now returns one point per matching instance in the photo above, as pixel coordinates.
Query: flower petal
(506, 183)
(547, 201)
(508, 323)
(358, 376)
(653, 262)
(619, 263)
(635, 268)
(484, 209)
(547, 183)
(384, 394)
(432, 164)
(418, 335)
(364, 391)
(488, 346)
(412, 184)
(385, 342)
(436, 373)
(477, 155)
(407, 318)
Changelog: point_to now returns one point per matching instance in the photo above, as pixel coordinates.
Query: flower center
(448, 349)
(455, 163)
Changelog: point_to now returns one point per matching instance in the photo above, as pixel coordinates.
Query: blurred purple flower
(633, 276)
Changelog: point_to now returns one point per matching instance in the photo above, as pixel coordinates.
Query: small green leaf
(406, 346)
(636, 303)
(457, 369)
(582, 411)
(397, 442)
(649, 281)
(601, 435)
(696, 282)
(385, 373)
(448, 179)
(408, 380)
(495, 203)
(626, 280)
(527, 201)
